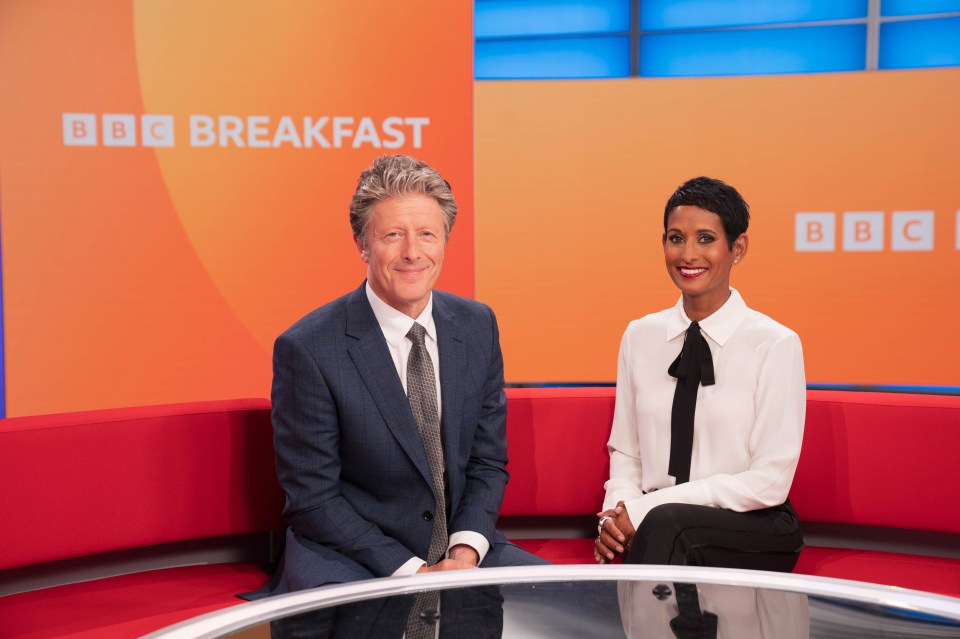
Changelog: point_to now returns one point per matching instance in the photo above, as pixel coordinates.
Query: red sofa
(87, 495)
(878, 473)
(80, 490)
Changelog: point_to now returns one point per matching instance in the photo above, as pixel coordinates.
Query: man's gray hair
(395, 175)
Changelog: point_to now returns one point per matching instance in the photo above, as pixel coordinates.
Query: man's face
(405, 243)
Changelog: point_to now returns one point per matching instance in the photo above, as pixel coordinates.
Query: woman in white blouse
(699, 475)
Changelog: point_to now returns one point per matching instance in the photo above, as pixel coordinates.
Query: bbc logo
(117, 129)
(866, 231)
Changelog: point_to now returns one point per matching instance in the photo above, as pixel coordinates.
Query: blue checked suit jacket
(359, 498)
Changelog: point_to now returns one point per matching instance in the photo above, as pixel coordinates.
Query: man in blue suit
(362, 499)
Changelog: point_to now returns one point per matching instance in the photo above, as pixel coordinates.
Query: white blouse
(748, 427)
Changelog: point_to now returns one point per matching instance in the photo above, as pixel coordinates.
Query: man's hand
(615, 536)
(460, 557)
(463, 552)
(446, 564)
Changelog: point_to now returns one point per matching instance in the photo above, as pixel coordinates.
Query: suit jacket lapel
(452, 370)
(372, 359)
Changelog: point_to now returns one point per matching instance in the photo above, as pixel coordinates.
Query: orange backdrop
(572, 177)
(138, 275)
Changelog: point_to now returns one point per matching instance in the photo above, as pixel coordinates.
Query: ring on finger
(602, 521)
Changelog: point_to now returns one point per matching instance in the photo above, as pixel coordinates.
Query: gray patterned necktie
(422, 394)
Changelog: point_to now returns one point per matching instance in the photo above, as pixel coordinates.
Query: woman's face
(697, 256)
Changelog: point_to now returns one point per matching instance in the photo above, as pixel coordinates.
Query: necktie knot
(416, 333)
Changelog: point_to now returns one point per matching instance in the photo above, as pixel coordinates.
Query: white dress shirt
(395, 326)
(748, 427)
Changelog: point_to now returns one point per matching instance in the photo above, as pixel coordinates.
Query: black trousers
(688, 535)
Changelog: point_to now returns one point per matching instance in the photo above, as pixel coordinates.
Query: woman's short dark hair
(717, 197)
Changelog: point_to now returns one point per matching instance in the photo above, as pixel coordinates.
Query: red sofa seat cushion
(128, 605)
(560, 550)
(932, 574)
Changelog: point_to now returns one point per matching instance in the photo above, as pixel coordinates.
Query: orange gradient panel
(140, 275)
(572, 177)
(275, 236)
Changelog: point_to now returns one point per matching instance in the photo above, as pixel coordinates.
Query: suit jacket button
(428, 515)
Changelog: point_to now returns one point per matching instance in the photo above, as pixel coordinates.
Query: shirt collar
(719, 326)
(394, 324)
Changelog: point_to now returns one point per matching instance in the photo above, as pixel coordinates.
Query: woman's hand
(614, 534)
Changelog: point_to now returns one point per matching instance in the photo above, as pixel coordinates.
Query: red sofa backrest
(880, 459)
(557, 442)
(82, 483)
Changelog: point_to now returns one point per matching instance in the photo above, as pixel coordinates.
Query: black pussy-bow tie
(693, 367)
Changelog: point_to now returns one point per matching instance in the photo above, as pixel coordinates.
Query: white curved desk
(621, 601)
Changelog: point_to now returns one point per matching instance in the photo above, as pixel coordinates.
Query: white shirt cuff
(473, 539)
(410, 568)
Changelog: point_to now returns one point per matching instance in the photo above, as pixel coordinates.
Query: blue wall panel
(508, 18)
(920, 43)
(917, 7)
(597, 57)
(694, 14)
(749, 51)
